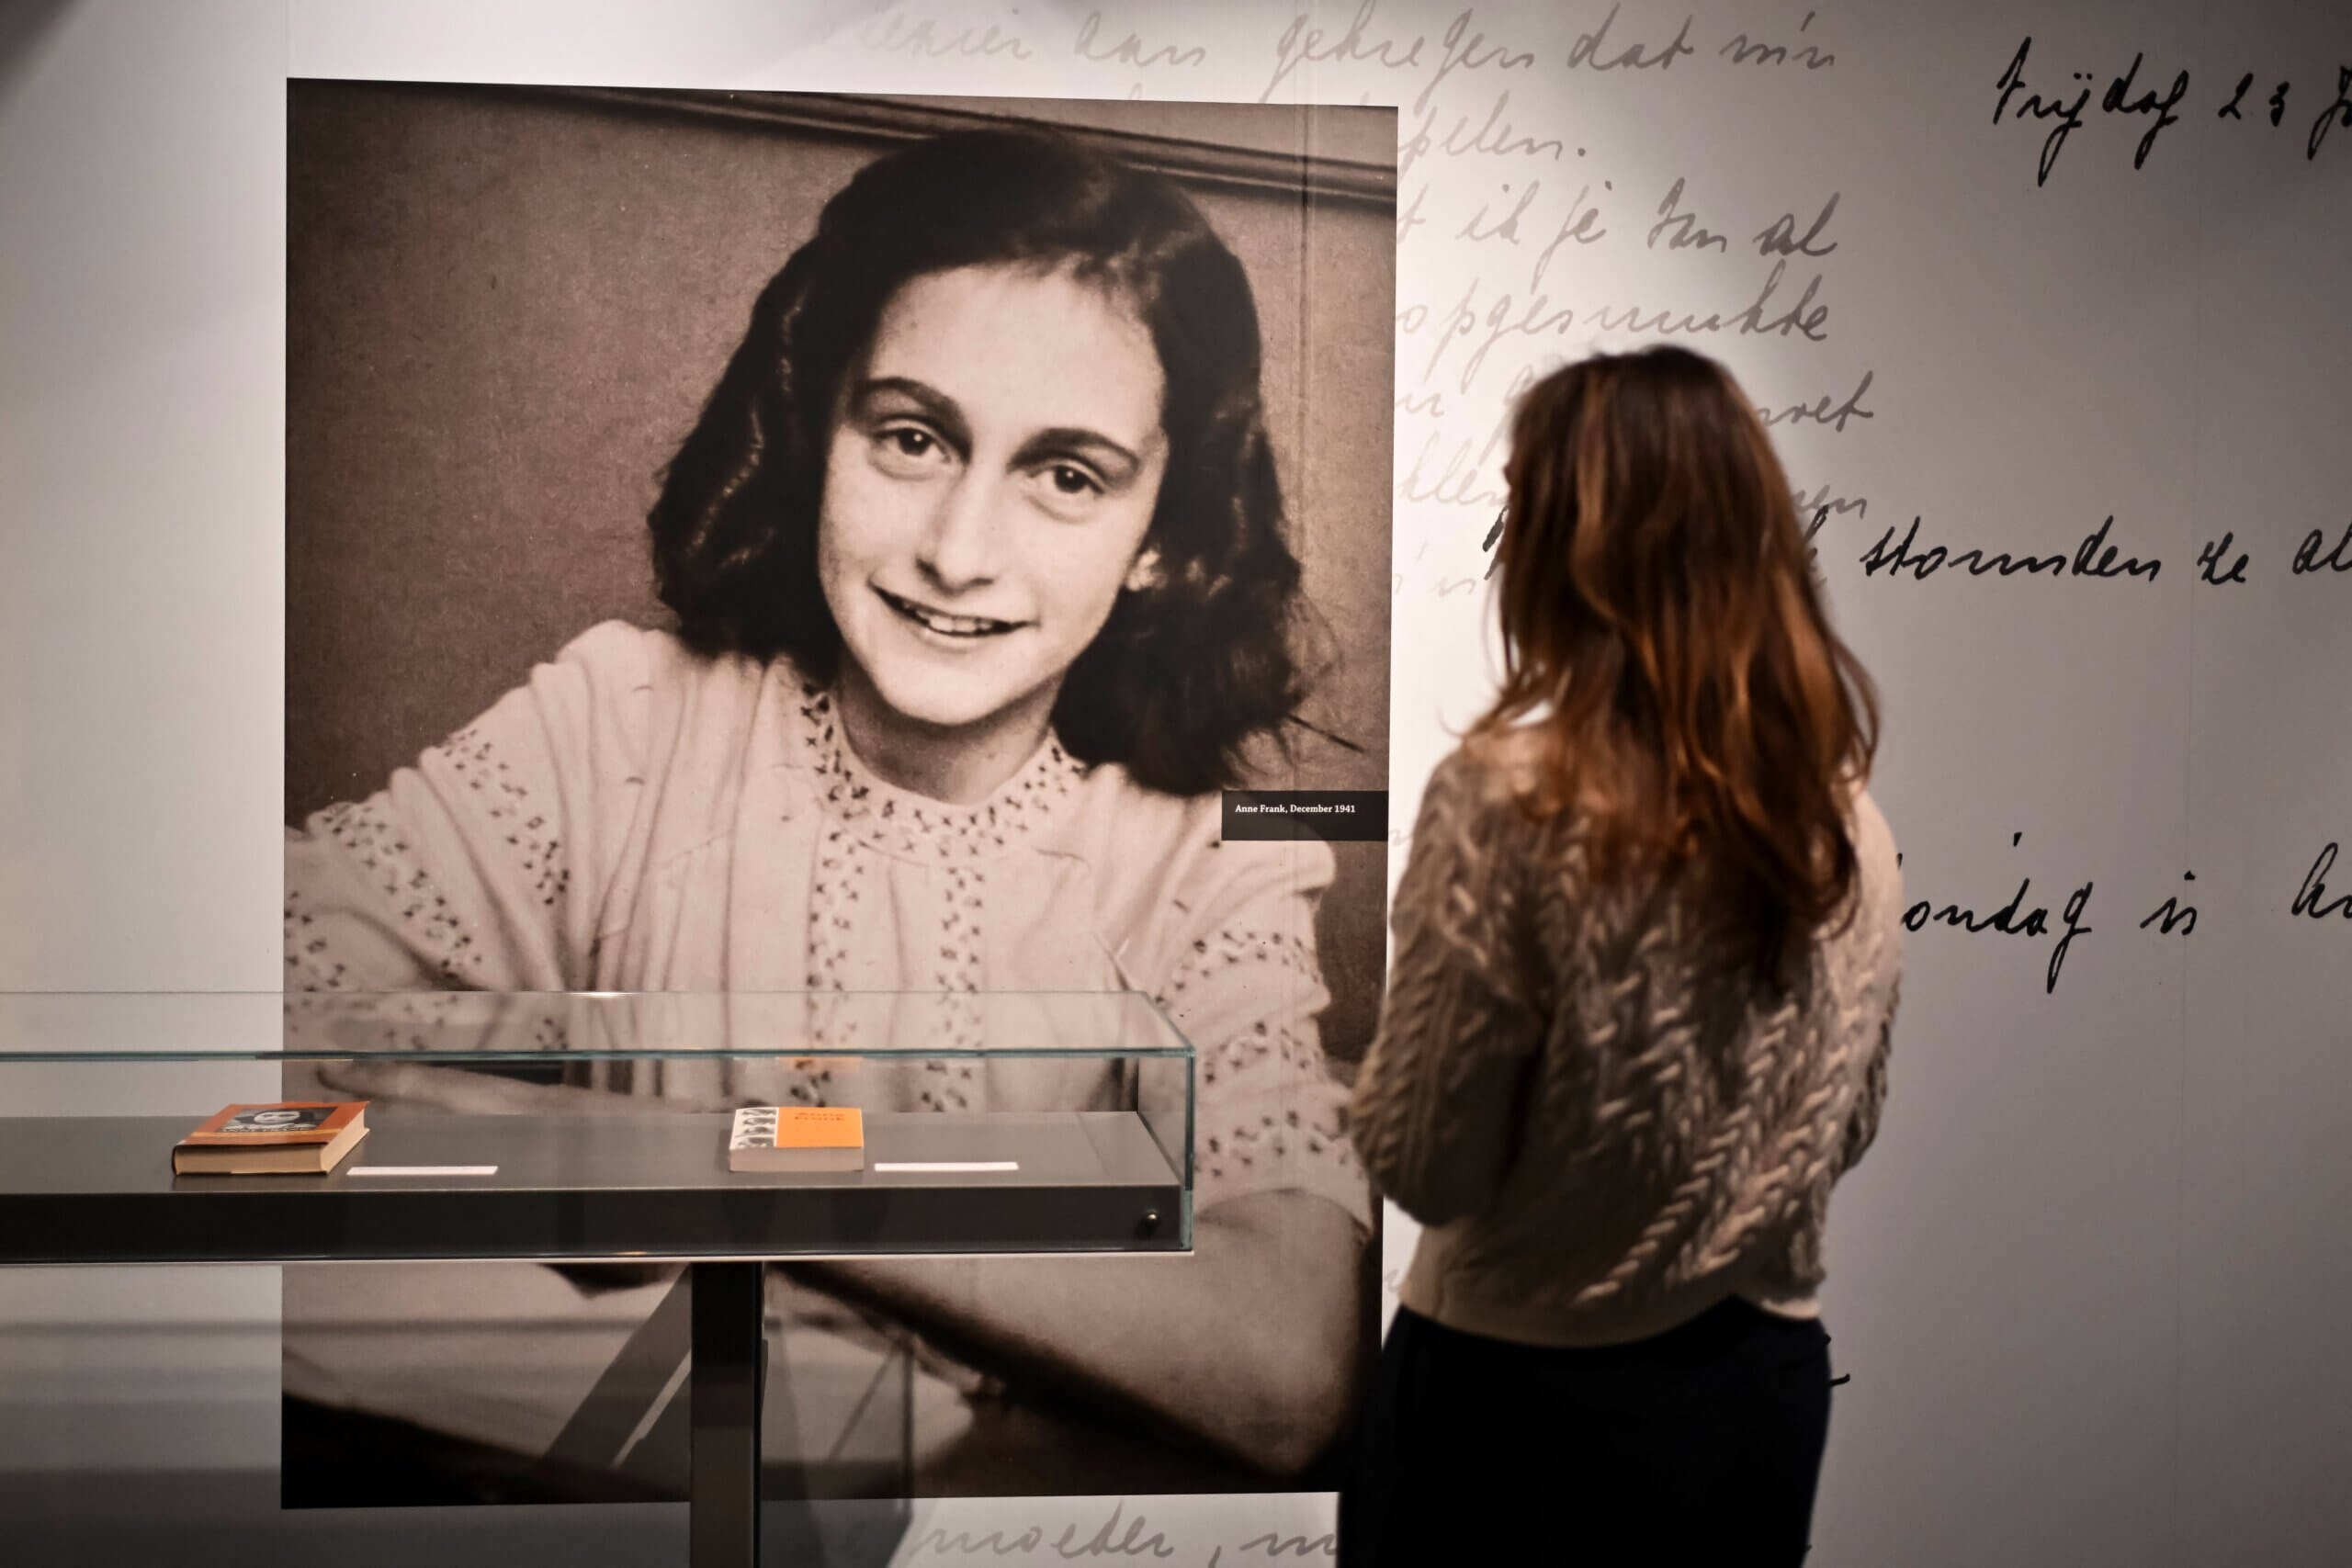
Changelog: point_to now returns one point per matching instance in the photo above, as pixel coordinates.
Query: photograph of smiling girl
(1044, 495)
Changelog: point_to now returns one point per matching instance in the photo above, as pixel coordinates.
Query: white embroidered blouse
(636, 818)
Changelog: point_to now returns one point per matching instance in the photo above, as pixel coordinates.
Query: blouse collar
(914, 826)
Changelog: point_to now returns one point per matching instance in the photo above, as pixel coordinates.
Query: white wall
(2084, 1285)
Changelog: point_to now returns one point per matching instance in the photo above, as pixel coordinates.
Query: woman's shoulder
(1880, 867)
(1485, 781)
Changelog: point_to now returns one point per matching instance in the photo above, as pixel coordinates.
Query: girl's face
(995, 459)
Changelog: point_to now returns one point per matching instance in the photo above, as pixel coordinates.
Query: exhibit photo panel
(828, 545)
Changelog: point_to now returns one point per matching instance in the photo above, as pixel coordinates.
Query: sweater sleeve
(1881, 922)
(1435, 1111)
(1861, 1126)
(476, 868)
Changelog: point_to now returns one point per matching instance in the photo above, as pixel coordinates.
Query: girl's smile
(961, 628)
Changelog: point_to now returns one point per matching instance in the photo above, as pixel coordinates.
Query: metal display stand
(640, 1186)
(730, 1368)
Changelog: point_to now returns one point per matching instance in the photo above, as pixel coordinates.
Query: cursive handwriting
(1589, 51)
(1805, 319)
(2069, 115)
(1478, 229)
(1819, 411)
(927, 37)
(2117, 100)
(1780, 238)
(1501, 318)
(1462, 480)
(2308, 898)
(1409, 215)
(2214, 553)
(2218, 561)
(1495, 137)
(2308, 559)
(2012, 918)
(1303, 45)
(2159, 105)
(1462, 50)
(1740, 51)
(1067, 1546)
(1687, 232)
(1581, 227)
(1131, 50)
(2173, 912)
(1490, 321)
(2337, 113)
(2093, 557)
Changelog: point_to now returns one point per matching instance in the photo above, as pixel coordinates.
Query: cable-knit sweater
(1605, 1123)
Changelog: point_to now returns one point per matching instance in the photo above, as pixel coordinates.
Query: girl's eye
(910, 452)
(1072, 481)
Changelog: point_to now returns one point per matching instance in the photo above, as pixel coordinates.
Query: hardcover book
(797, 1137)
(291, 1138)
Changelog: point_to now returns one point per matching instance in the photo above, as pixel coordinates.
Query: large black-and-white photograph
(780, 543)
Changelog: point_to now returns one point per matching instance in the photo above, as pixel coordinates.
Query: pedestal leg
(730, 1358)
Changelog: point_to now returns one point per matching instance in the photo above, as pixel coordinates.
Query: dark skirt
(1702, 1445)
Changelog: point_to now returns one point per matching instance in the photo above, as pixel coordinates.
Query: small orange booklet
(295, 1137)
(797, 1137)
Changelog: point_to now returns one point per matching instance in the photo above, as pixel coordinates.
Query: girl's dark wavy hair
(1184, 673)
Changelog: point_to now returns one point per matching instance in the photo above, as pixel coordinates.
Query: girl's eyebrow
(936, 405)
(1119, 464)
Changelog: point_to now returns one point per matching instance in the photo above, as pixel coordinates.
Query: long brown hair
(1665, 654)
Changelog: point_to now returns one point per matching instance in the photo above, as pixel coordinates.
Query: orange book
(797, 1137)
(295, 1137)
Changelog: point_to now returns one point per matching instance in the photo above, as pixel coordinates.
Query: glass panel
(596, 1126)
(161, 1026)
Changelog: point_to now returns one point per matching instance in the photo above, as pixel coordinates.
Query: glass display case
(598, 1127)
